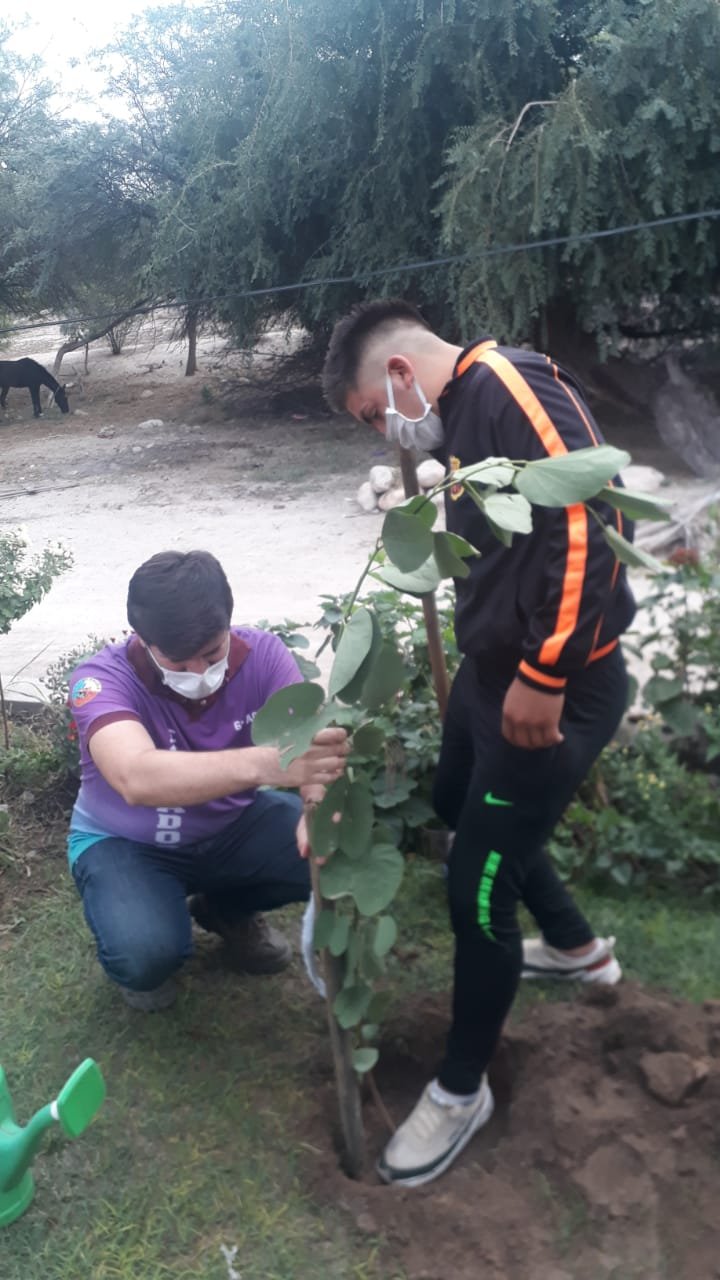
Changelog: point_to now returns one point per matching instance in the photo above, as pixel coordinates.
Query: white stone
(147, 394)
(430, 473)
(393, 498)
(381, 478)
(151, 422)
(137, 448)
(365, 497)
(643, 479)
(106, 433)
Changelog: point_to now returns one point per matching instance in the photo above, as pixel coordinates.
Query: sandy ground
(269, 492)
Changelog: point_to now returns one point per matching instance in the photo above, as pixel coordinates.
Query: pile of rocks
(383, 489)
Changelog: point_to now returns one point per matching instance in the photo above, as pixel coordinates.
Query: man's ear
(401, 370)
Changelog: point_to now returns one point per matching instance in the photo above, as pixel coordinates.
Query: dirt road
(270, 495)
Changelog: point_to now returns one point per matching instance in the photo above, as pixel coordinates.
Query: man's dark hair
(178, 600)
(350, 338)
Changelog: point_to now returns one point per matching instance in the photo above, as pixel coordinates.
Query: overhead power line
(425, 264)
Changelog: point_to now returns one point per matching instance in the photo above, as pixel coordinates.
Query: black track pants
(503, 803)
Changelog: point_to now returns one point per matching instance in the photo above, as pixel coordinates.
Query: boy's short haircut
(178, 601)
(349, 341)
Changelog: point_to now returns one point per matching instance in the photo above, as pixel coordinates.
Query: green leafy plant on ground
(401, 770)
(356, 866)
(24, 580)
(643, 817)
(684, 635)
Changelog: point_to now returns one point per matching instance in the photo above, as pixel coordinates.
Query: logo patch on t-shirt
(456, 490)
(85, 690)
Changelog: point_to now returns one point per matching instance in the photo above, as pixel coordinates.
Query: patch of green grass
(200, 1142)
(204, 1139)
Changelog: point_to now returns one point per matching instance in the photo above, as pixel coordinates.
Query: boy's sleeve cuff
(540, 680)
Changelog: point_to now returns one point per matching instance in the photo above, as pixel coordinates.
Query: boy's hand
(531, 719)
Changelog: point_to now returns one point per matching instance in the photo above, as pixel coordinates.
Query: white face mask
(425, 432)
(191, 685)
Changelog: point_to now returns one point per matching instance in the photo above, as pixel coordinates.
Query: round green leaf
(290, 719)
(351, 1004)
(421, 582)
(336, 877)
(355, 828)
(628, 554)
(364, 1059)
(368, 741)
(376, 879)
(571, 478)
(338, 942)
(635, 505)
(324, 832)
(448, 561)
(406, 539)
(386, 677)
(354, 646)
(385, 935)
(353, 689)
(324, 925)
(422, 507)
(509, 511)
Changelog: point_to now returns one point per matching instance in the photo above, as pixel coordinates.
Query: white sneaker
(432, 1136)
(540, 960)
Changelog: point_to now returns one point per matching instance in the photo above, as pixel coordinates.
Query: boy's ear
(402, 367)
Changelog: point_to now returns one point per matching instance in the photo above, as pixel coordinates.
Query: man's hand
(321, 764)
(531, 719)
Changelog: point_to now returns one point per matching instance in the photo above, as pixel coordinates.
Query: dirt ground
(602, 1161)
(269, 489)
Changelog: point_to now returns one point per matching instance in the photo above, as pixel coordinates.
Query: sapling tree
(356, 868)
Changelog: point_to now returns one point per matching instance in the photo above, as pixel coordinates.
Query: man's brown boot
(251, 944)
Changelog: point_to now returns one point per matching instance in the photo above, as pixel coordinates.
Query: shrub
(643, 817)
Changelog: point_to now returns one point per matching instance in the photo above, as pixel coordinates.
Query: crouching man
(170, 822)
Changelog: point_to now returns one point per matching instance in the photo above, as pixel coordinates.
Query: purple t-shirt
(119, 684)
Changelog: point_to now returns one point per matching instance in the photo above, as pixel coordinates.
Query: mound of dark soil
(601, 1163)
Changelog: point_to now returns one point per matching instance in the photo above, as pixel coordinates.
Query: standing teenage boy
(540, 691)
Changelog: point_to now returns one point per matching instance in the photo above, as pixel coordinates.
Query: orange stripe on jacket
(552, 682)
(475, 354)
(555, 446)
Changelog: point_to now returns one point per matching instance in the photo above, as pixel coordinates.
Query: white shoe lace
(428, 1116)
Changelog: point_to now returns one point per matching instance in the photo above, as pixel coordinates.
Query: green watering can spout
(75, 1106)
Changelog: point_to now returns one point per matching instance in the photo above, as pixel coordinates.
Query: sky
(64, 34)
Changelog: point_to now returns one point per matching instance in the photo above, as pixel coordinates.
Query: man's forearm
(159, 778)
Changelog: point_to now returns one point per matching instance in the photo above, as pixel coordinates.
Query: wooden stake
(438, 665)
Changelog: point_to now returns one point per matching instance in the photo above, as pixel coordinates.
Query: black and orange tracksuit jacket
(557, 599)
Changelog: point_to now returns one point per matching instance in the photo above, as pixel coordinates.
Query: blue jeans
(134, 895)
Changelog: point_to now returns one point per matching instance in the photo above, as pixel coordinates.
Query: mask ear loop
(426, 406)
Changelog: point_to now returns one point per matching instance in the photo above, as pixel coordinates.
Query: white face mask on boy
(190, 684)
(425, 432)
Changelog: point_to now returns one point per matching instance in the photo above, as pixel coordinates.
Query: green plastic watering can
(77, 1103)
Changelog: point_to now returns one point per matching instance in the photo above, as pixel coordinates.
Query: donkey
(28, 373)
